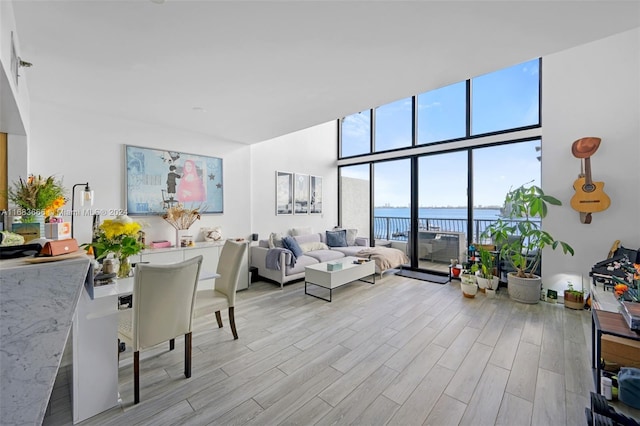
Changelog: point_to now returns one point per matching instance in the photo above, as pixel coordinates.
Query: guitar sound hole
(589, 187)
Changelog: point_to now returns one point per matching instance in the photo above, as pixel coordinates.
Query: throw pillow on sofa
(337, 238)
(313, 246)
(291, 244)
(275, 240)
(352, 233)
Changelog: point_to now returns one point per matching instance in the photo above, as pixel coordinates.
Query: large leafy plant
(521, 237)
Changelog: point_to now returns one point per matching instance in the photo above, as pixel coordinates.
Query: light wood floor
(400, 352)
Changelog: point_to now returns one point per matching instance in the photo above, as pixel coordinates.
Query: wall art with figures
(157, 179)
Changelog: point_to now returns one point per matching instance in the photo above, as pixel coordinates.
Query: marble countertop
(37, 303)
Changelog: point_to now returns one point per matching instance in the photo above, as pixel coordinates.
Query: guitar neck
(587, 171)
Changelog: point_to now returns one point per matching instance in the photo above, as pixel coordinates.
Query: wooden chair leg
(219, 319)
(232, 320)
(172, 344)
(136, 377)
(187, 355)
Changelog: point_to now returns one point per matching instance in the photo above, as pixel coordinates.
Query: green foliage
(524, 205)
(486, 263)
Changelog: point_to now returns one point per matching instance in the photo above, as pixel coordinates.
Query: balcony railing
(397, 228)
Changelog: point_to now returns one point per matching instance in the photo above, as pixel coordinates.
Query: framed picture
(158, 179)
(284, 193)
(315, 195)
(301, 194)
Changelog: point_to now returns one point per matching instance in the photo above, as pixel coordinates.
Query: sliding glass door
(442, 217)
(392, 203)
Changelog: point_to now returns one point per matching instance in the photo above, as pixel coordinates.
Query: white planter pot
(468, 290)
(482, 282)
(491, 293)
(524, 290)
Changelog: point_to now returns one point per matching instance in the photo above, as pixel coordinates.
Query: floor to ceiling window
(393, 125)
(496, 170)
(480, 143)
(442, 213)
(392, 202)
(356, 134)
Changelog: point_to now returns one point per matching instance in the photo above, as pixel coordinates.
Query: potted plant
(521, 240)
(484, 275)
(573, 299)
(468, 284)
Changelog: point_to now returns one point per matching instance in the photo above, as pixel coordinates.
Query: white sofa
(288, 273)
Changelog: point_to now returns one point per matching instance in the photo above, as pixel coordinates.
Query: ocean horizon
(438, 213)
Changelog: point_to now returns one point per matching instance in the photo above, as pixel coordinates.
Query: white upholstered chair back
(229, 269)
(163, 301)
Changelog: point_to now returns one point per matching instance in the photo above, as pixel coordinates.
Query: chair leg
(232, 320)
(219, 319)
(136, 377)
(187, 355)
(172, 344)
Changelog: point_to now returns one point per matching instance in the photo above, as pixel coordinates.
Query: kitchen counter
(37, 304)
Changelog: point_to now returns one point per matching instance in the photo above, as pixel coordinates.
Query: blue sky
(504, 99)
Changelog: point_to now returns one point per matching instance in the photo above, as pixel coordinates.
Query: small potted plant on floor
(521, 240)
(484, 276)
(468, 284)
(573, 298)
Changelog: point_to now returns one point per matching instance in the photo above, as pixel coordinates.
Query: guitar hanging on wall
(589, 197)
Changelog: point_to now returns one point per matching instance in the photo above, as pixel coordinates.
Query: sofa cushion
(313, 246)
(301, 231)
(310, 238)
(324, 255)
(301, 262)
(291, 244)
(337, 238)
(275, 240)
(348, 251)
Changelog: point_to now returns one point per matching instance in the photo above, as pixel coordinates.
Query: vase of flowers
(37, 198)
(181, 218)
(121, 237)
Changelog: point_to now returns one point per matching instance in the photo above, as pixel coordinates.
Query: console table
(605, 320)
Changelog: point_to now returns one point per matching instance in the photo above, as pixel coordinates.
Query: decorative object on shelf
(521, 240)
(284, 193)
(589, 197)
(212, 234)
(186, 179)
(37, 198)
(121, 237)
(87, 197)
(181, 218)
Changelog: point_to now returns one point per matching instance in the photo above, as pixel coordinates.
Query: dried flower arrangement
(181, 217)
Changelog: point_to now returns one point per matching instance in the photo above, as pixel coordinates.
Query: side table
(611, 323)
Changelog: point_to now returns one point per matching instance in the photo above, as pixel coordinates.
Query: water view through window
(447, 180)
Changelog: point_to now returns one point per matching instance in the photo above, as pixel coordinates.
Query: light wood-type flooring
(400, 352)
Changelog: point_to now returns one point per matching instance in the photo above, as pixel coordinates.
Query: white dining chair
(223, 295)
(163, 304)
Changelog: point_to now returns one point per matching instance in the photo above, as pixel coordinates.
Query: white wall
(80, 147)
(592, 90)
(311, 151)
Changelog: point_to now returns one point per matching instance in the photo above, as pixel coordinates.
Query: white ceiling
(267, 68)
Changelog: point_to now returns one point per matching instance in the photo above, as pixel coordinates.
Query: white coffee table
(319, 275)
